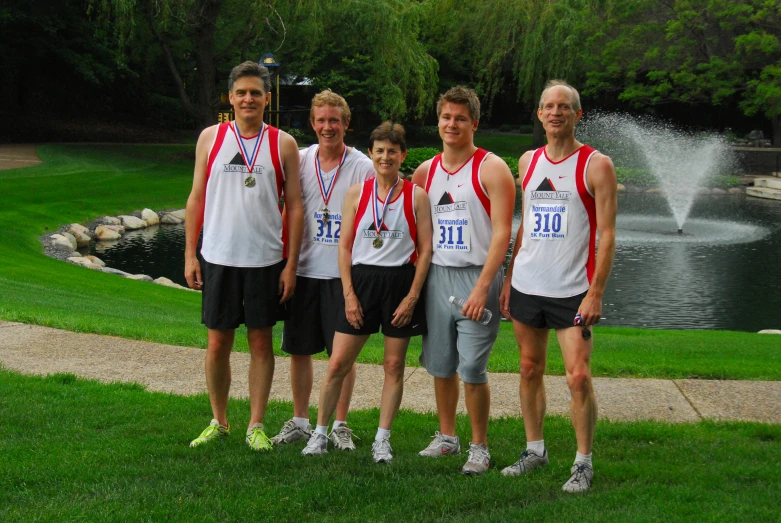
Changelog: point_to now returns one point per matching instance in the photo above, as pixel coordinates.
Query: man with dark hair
(557, 278)
(471, 193)
(243, 170)
(328, 169)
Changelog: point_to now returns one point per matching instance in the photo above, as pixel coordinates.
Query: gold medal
(326, 216)
(249, 181)
(377, 243)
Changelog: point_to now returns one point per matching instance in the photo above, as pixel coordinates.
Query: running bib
(453, 234)
(325, 232)
(547, 222)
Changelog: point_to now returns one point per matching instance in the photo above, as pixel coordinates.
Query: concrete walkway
(179, 370)
(13, 156)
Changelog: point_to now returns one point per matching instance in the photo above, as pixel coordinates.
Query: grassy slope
(80, 183)
(69, 453)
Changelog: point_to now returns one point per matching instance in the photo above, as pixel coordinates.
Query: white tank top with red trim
(460, 212)
(398, 234)
(319, 252)
(242, 221)
(556, 258)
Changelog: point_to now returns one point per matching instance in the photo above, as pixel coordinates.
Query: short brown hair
(328, 97)
(249, 68)
(392, 132)
(574, 96)
(463, 96)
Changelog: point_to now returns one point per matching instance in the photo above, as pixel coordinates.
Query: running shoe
(317, 444)
(529, 461)
(382, 451)
(213, 431)
(342, 438)
(290, 433)
(257, 439)
(580, 481)
(440, 447)
(478, 462)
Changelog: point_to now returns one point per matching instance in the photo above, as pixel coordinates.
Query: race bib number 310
(547, 222)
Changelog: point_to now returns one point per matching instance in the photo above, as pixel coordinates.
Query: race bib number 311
(547, 222)
(452, 235)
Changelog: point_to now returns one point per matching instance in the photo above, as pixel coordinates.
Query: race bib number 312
(326, 232)
(547, 222)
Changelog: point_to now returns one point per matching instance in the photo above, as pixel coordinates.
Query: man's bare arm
(294, 214)
(193, 220)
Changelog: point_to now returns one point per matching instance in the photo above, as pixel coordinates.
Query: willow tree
(512, 44)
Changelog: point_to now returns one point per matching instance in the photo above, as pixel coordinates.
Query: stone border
(716, 191)
(64, 243)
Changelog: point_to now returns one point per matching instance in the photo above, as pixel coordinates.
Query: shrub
(638, 177)
(416, 156)
(512, 163)
(295, 132)
(526, 129)
(506, 128)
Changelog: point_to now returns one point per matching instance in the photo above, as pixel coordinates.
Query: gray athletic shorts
(455, 344)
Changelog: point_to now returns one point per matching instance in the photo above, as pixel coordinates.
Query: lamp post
(268, 60)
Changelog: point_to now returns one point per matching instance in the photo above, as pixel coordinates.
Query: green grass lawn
(81, 183)
(79, 450)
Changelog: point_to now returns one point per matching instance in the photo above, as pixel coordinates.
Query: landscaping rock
(62, 243)
(170, 219)
(168, 283)
(97, 261)
(179, 213)
(116, 271)
(71, 238)
(703, 190)
(103, 233)
(717, 191)
(620, 187)
(735, 190)
(770, 331)
(150, 217)
(84, 262)
(119, 228)
(82, 239)
(132, 223)
(653, 190)
(140, 277)
(78, 228)
(110, 220)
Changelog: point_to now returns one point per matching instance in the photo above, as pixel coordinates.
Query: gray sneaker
(342, 438)
(382, 451)
(529, 461)
(290, 433)
(317, 445)
(478, 462)
(439, 447)
(580, 481)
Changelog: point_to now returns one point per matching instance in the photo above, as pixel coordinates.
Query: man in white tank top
(242, 170)
(328, 169)
(472, 196)
(557, 278)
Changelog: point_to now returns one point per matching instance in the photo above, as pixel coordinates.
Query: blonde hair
(328, 97)
(463, 96)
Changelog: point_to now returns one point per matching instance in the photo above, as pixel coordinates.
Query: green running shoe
(213, 431)
(257, 439)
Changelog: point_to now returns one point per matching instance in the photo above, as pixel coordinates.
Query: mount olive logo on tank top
(547, 220)
(237, 165)
(371, 232)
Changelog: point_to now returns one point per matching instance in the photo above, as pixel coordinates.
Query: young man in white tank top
(472, 196)
(242, 170)
(557, 275)
(328, 169)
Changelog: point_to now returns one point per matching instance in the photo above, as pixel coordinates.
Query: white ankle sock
(338, 424)
(450, 439)
(583, 459)
(538, 447)
(382, 434)
(301, 423)
(322, 429)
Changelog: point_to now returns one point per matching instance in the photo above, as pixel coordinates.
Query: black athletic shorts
(380, 291)
(313, 312)
(544, 313)
(235, 295)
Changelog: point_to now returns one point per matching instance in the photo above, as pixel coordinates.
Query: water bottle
(460, 303)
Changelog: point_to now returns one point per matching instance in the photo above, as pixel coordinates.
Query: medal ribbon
(375, 199)
(326, 193)
(243, 148)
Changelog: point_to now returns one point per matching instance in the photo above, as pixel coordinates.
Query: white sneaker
(317, 445)
(382, 451)
(580, 481)
(290, 433)
(342, 438)
(440, 447)
(529, 461)
(478, 462)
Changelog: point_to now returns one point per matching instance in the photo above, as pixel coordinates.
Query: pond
(724, 272)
